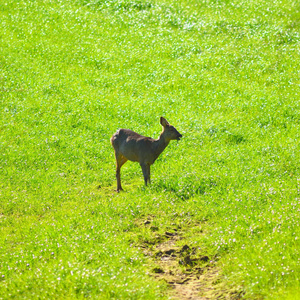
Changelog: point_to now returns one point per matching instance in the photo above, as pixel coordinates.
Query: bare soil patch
(190, 275)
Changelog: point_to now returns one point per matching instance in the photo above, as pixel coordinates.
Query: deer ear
(164, 122)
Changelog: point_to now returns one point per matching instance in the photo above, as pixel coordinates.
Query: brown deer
(129, 145)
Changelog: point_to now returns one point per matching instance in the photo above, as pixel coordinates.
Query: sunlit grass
(225, 74)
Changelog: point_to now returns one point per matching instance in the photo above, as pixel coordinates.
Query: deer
(129, 145)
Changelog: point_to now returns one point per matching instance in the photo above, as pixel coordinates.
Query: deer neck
(160, 144)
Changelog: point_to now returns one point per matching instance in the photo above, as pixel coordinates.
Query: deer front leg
(146, 172)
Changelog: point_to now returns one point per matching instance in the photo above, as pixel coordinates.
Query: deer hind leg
(146, 172)
(120, 160)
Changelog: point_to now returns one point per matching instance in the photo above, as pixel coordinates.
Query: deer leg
(148, 169)
(146, 172)
(121, 160)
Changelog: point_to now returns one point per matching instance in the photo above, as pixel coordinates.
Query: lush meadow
(226, 74)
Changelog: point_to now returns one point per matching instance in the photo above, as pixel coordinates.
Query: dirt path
(190, 275)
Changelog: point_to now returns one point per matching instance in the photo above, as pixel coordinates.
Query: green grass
(225, 74)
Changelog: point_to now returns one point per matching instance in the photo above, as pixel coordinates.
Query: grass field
(226, 74)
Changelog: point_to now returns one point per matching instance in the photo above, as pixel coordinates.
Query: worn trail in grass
(190, 275)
